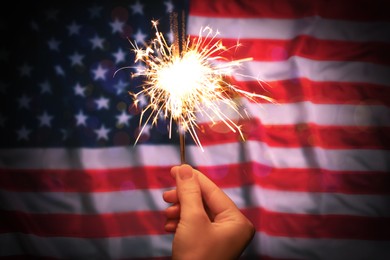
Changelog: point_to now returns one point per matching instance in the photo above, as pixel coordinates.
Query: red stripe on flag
(289, 179)
(307, 47)
(333, 9)
(300, 135)
(85, 180)
(264, 257)
(34, 257)
(28, 256)
(328, 92)
(319, 226)
(152, 223)
(84, 226)
(304, 180)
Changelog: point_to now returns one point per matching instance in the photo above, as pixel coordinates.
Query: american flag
(313, 174)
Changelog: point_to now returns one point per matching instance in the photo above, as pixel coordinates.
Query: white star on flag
(117, 26)
(74, 28)
(123, 118)
(25, 70)
(119, 55)
(137, 8)
(81, 119)
(102, 102)
(102, 132)
(97, 42)
(79, 90)
(45, 119)
(76, 59)
(54, 44)
(45, 87)
(100, 73)
(24, 102)
(23, 133)
(140, 37)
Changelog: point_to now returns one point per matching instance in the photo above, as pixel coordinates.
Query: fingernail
(185, 173)
(174, 171)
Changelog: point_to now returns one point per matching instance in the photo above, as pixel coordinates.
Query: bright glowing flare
(181, 80)
(181, 85)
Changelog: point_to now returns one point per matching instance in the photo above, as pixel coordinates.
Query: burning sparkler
(185, 79)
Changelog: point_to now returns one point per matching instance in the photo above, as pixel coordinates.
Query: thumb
(189, 193)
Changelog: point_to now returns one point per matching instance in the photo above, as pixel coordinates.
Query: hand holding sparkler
(220, 232)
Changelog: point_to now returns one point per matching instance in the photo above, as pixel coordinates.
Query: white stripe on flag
(337, 160)
(287, 29)
(225, 154)
(299, 67)
(308, 112)
(139, 200)
(84, 248)
(325, 249)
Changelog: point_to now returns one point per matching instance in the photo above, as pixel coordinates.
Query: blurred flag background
(313, 174)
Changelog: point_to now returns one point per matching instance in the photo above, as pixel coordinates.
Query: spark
(181, 84)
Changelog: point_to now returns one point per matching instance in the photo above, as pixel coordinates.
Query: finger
(215, 199)
(189, 194)
(174, 169)
(170, 196)
(171, 225)
(173, 212)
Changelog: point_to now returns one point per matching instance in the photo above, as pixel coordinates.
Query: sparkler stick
(188, 78)
(179, 41)
(182, 145)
